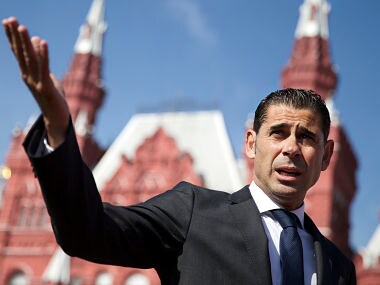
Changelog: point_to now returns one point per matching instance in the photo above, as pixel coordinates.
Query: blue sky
(209, 54)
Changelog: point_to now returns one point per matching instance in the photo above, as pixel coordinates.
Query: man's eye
(307, 137)
(277, 133)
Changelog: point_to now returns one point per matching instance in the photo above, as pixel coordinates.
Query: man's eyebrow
(278, 126)
(307, 131)
(303, 129)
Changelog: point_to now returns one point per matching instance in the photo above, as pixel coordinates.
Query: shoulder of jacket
(185, 186)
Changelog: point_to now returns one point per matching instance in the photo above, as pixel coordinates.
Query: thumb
(57, 84)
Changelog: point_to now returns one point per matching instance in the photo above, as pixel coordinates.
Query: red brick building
(158, 155)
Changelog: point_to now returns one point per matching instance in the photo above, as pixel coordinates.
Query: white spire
(313, 19)
(371, 252)
(81, 124)
(58, 269)
(334, 114)
(91, 33)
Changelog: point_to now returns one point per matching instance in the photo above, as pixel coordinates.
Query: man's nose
(291, 147)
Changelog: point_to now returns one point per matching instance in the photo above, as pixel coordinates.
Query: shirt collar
(265, 204)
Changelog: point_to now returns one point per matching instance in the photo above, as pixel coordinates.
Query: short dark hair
(298, 99)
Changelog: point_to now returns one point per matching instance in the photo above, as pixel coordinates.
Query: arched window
(137, 279)
(104, 278)
(18, 278)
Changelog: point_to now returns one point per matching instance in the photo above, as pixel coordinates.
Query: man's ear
(329, 150)
(250, 143)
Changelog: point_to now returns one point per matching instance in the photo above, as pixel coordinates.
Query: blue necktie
(291, 254)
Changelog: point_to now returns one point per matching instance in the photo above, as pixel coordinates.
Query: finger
(35, 41)
(29, 55)
(7, 31)
(15, 43)
(57, 84)
(8, 27)
(44, 57)
(36, 45)
(45, 77)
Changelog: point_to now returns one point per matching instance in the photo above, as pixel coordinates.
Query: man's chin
(289, 190)
(288, 197)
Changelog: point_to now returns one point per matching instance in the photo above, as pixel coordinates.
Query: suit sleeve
(141, 235)
(352, 275)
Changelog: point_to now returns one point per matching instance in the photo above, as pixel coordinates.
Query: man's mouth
(288, 171)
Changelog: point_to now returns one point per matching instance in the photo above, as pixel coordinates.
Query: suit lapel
(248, 220)
(323, 263)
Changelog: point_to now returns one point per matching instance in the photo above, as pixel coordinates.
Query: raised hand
(33, 59)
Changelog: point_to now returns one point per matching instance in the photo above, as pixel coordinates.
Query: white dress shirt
(273, 231)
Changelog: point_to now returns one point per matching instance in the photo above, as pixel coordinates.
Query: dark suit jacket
(190, 235)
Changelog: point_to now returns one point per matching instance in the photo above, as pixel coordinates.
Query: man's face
(289, 152)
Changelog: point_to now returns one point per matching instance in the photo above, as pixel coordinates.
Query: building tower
(27, 244)
(310, 67)
(82, 83)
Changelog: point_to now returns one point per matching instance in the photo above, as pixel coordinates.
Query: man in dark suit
(190, 235)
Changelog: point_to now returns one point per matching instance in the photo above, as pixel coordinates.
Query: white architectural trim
(90, 38)
(58, 269)
(371, 253)
(313, 20)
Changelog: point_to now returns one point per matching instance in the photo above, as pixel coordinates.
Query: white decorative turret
(81, 124)
(83, 83)
(334, 114)
(313, 19)
(371, 253)
(58, 269)
(91, 33)
(310, 65)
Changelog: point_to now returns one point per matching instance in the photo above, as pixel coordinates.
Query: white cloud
(189, 13)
